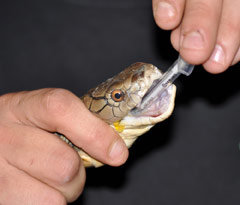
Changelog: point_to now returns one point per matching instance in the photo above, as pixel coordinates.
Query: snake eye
(117, 95)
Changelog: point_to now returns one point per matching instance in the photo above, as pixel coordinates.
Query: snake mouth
(157, 106)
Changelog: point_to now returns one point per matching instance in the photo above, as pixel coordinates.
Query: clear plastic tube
(178, 67)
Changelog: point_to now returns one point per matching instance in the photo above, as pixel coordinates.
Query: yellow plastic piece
(118, 127)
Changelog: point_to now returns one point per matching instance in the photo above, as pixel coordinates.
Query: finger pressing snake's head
(115, 99)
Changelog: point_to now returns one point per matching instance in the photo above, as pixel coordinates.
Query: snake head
(115, 99)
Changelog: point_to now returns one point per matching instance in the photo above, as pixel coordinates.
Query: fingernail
(218, 55)
(117, 149)
(192, 40)
(164, 10)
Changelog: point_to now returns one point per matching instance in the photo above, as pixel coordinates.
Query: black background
(191, 158)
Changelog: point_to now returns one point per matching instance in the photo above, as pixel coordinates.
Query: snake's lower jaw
(136, 126)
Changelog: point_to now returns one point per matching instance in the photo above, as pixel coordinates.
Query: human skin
(204, 32)
(36, 166)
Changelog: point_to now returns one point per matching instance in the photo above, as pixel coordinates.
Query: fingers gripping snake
(114, 100)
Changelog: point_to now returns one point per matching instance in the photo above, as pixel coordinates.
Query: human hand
(36, 166)
(204, 32)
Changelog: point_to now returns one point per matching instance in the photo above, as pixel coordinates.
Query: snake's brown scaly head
(115, 99)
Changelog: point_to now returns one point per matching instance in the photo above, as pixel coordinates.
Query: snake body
(114, 100)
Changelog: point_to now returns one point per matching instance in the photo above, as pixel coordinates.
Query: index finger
(58, 110)
(196, 37)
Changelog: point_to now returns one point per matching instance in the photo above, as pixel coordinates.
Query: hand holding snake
(38, 166)
(31, 156)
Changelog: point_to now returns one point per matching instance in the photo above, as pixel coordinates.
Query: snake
(116, 101)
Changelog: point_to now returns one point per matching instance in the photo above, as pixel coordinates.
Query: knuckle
(199, 7)
(68, 166)
(201, 12)
(58, 101)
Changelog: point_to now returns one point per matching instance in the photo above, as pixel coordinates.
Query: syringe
(178, 67)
